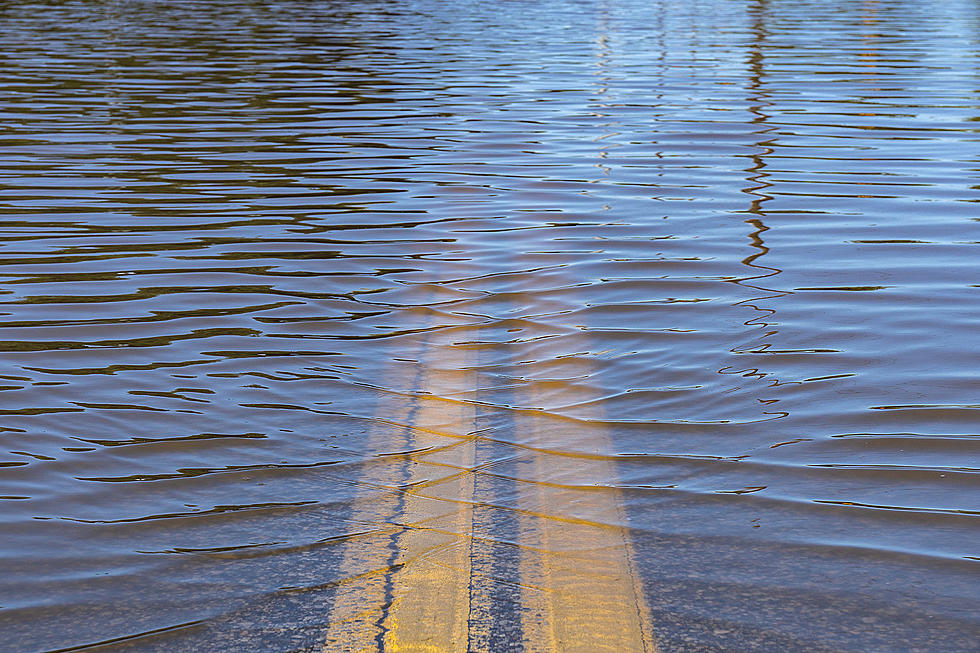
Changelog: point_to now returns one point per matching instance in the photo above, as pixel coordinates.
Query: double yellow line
(410, 583)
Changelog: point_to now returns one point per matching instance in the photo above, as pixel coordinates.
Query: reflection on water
(296, 295)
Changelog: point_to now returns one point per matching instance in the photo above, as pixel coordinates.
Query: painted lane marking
(408, 586)
(582, 590)
(410, 583)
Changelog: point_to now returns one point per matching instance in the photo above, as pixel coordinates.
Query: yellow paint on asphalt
(409, 580)
(410, 584)
(582, 590)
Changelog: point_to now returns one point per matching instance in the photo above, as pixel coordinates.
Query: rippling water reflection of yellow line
(410, 585)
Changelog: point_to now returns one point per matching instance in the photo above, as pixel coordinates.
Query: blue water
(729, 247)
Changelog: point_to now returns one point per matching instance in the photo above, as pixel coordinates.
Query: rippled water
(704, 273)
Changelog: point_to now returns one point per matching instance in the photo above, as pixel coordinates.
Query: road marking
(409, 581)
(410, 585)
(582, 590)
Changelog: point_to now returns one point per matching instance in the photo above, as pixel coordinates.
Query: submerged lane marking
(582, 590)
(431, 603)
(410, 583)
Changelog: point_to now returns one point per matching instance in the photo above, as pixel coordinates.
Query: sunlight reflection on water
(699, 273)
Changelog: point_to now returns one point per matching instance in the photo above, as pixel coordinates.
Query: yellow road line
(409, 581)
(431, 606)
(582, 591)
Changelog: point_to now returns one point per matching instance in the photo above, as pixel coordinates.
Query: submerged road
(489, 326)
(422, 579)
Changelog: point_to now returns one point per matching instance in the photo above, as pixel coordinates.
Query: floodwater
(493, 326)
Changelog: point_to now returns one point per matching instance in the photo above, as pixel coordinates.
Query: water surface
(702, 274)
